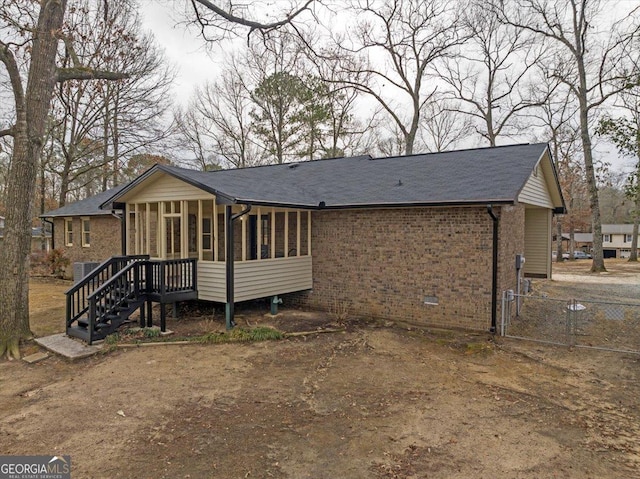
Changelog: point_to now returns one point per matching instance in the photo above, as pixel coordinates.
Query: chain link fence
(610, 326)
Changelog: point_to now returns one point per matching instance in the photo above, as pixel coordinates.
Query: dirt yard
(377, 401)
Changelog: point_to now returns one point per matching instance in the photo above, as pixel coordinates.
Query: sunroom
(242, 251)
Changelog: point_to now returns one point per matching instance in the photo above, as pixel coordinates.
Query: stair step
(76, 332)
(83, 322)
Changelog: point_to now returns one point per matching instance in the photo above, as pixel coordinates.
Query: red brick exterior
(384, 263)
(105, 240)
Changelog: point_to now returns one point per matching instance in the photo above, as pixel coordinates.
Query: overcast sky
(183, 47)
(186, 50)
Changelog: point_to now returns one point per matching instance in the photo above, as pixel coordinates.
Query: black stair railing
(106, 302)
(78, 294)
(107, 297)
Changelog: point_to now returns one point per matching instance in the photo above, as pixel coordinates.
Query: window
(68, 232)
(207, 244)
(266, 235)
(628, 238)
(86, 233)
(606, 238)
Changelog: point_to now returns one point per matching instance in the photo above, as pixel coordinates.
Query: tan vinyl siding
(212, 284)
(537, 242)
(165, 188)
(255, 279)
(259, 279)
(536, 191)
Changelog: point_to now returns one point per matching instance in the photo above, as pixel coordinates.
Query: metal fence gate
(582, 323)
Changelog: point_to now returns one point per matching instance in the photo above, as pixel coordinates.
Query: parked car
(554, 255)
(581, 255)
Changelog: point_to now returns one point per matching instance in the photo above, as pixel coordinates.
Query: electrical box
(519, 261)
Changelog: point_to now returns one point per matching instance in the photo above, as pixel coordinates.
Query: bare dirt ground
(377, 401)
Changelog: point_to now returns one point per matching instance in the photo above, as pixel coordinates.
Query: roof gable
(542, 188)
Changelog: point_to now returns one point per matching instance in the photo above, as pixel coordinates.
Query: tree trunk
(28, 141)
(572, 244)
(634, 237)
(558, 241)
(596, 224)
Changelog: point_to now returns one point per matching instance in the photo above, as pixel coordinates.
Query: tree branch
(9, 61)
(7, 132)
(251, 23)
(82, 73)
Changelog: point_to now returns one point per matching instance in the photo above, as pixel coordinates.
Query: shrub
(57, 262)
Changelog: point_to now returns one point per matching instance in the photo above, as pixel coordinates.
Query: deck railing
(171, 276)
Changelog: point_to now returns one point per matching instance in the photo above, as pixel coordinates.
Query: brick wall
(105, 240)
(386, 263)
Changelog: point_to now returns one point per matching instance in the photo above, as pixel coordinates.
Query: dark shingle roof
(475, 176)
(86, 207)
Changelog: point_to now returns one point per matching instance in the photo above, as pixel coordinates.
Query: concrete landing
(69, 348)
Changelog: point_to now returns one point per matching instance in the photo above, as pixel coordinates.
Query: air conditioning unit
(80, 270)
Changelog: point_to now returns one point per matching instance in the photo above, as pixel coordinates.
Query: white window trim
(210, 233)
(68, 230)
(82, 232)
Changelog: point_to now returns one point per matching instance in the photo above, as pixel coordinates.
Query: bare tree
(396, 42)
(489, 74)
(31, 104)
(195, 138)
(347, 133)
(594, 65)
(217, 122)
(624, 133)
(557, 117)
(444, 124)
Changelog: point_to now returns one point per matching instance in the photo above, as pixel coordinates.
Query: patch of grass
(112, 339)
(151, 332)
(240, 335)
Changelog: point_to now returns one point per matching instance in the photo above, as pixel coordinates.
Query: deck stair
(107, 297)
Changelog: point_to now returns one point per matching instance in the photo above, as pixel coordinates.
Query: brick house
(428, 238)
(85, 232)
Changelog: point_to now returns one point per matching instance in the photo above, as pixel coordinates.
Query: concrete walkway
(69, 348)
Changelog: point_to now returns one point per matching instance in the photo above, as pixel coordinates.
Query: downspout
(228, 225)
(53, 231)
(494, 272)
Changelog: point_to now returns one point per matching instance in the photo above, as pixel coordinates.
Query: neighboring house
(39, 242)
(416, 238)
(85, 232)
(616, 241)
